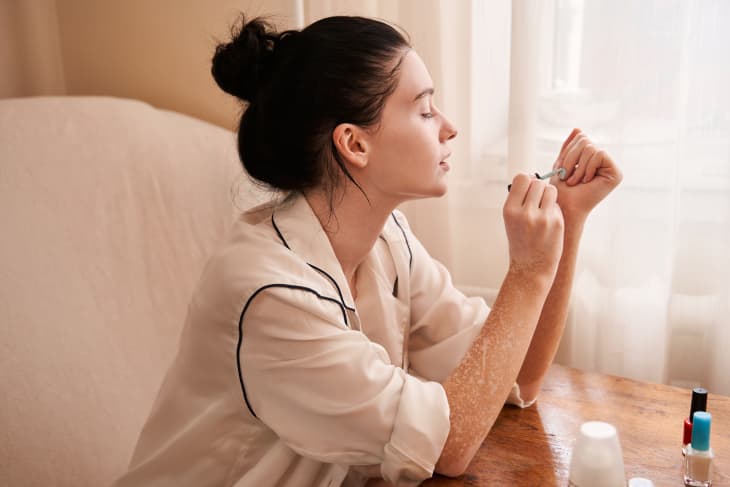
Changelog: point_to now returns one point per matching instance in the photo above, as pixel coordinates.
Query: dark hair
(299, 85)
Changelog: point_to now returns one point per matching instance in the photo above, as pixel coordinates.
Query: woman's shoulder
(253, 255)
(273, 248)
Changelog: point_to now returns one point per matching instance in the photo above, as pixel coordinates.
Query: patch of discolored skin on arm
(478, 387)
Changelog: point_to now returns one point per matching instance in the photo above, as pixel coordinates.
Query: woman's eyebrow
(427, 91)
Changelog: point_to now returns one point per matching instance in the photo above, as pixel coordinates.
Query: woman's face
(407, 150)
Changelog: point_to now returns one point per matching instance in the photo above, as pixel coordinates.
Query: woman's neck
(352, 227)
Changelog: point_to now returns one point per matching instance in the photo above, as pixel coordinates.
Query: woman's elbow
(454, 463)
(456, 469)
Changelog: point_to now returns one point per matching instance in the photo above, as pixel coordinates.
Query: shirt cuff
(420, 431)
(515, 398)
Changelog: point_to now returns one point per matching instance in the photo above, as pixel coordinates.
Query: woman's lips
(443, 164)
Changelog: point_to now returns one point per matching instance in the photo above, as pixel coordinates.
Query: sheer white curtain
(650, 82)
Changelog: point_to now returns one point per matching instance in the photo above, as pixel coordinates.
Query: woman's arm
(523, 330)
(477, 388)
(591, 176)
(550, 327)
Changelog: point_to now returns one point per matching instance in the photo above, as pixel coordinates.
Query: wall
(30, 56)
(157, 51)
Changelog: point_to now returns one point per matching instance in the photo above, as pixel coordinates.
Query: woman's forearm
(551, 324)
(477, 388)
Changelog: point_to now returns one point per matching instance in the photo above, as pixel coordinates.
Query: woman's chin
(440, 190)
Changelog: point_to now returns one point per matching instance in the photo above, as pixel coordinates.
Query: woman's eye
(427, 115)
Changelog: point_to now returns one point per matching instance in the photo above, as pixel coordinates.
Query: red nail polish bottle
(699, 403)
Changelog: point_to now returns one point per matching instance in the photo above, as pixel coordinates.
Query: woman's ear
(350, 141)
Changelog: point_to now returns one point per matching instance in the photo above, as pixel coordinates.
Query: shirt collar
(299, 230)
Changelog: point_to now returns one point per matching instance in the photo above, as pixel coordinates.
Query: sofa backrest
(108, 211)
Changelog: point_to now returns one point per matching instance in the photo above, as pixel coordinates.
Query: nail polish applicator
(561, 173)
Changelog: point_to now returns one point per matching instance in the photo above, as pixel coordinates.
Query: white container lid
(640, 482)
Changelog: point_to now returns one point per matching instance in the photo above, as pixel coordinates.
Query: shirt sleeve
(331, 394)
(515, 398)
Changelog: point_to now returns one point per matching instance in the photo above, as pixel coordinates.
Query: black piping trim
(332, 279)
(240, 328)
(339, 291)
(410, 252)
(395, 284)
(279, 233)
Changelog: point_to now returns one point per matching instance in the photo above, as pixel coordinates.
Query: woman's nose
(448, 131)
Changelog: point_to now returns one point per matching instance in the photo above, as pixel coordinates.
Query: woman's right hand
(534, 225)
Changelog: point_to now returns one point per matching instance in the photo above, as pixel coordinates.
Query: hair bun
(239, 65)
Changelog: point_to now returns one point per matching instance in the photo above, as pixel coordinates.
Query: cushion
(109, 209)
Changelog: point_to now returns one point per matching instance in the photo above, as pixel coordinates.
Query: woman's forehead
(414, 79)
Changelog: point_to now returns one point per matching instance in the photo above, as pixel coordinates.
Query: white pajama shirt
(283, 379)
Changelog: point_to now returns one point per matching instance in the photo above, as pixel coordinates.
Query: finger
(581, 164)
(593, 165)
(534, 193)
(572, 153)
(610, 169)
(570, 138)
(518, 189)
(549, 197)
(569, 142)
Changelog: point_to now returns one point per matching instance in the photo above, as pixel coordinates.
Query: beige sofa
(108, 209)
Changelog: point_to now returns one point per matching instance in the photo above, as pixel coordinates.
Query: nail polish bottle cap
(701, 431)
(699, 402)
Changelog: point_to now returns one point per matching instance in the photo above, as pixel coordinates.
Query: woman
(323, 346)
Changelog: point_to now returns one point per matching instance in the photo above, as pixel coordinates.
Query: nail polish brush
(560, 172)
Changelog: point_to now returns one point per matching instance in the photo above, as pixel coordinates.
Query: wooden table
(531, 447)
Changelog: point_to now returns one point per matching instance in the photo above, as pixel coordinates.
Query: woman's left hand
(591, 176)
